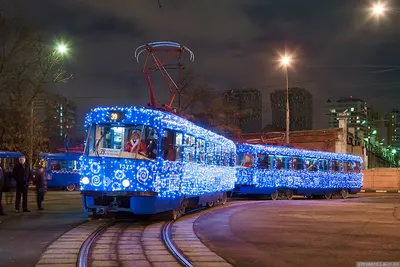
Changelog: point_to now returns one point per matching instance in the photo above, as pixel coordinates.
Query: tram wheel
(289, 194)
(71, 187)
(210, 204)
(309, 197)
(328, 196)
(275, 195)
(344, 193)
(224, 198)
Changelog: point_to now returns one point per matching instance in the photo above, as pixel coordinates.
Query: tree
(206, 105)
(27, 66)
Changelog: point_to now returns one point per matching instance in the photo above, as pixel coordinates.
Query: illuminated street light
(378, 9)
(62, 48)
(286, 61)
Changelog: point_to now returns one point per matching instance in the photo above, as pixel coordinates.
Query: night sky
(339, 51)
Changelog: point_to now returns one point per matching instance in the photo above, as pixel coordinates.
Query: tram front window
(126, 141)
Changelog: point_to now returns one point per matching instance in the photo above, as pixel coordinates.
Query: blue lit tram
(274, 171)
(8, 160)
(146, 161)
(62, 169)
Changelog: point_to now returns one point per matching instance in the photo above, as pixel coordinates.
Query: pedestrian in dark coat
(40, 182)
(2, 178)
(22, 175)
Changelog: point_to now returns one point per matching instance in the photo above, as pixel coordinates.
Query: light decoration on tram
(289, 178)
(168, 178)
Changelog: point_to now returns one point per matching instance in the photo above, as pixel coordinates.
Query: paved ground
(305, 232)
(24, 236)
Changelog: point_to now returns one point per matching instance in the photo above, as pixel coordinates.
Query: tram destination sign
(116, 116)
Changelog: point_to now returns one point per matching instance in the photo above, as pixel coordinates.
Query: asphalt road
(24, 236)
(305, 232)
(300, 232)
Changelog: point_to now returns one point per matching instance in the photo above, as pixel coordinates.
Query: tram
(62, 169)
(147, 161)
(8, 160)
(273, 171)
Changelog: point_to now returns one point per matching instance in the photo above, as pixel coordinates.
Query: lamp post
(285, 62)
(61, 49)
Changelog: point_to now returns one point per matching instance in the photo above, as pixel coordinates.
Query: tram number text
(126, 166)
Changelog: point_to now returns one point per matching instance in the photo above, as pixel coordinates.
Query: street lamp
(378, 9)
(62, 48)
(285, 62)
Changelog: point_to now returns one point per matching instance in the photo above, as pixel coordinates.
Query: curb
(379, 191)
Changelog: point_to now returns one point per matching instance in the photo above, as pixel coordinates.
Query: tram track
(140, 243)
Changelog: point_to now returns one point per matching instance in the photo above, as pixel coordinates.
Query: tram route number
(126, 167)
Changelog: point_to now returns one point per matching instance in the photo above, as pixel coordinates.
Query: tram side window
(67, 165)
(298, 164)
(347, 166)
(200, 150)
(172, 145)
(189, 148)
(245, 160)
(323, 165)
(151, 137)
(3, 163)
(55, 165)
(232, 161)
(357, 167)
(335, 166)
(281, 162)
(218, 155)
(311, 165)
(264, 161)
(210, 147)
(226, 158)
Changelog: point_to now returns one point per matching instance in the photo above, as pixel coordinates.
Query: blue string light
(192, 175)
(274, 177)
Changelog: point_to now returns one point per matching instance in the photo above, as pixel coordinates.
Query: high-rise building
(374, 123)
(57, 115)
(364, 119)
(300, 109)
(248, 103)
(393, 128)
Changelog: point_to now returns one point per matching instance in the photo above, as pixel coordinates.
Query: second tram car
(272, 171)
(147, 161)
(62, 169)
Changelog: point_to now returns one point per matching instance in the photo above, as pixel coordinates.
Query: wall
(382, 179)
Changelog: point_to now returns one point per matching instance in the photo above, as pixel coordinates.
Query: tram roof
(9, 154)
(154, 118)
(70, 155)
(296, 152)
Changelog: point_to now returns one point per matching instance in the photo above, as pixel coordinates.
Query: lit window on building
(358, 121)
(352, 109)
(333, 110)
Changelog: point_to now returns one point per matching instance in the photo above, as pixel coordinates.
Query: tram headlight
(85, 180)
(126, 183)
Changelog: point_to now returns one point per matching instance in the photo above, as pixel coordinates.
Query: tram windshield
(123, 141)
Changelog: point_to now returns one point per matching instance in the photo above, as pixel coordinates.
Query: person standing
(2, 178)
(22, 175)
(40, 182)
